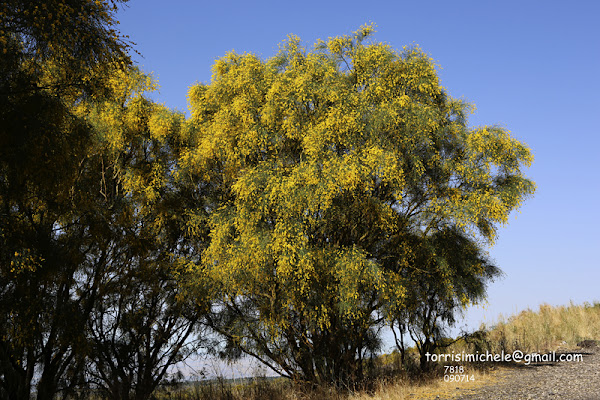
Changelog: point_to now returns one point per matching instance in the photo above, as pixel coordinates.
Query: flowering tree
(327, 166)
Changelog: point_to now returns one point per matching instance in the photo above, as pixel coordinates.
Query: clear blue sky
(531, 66)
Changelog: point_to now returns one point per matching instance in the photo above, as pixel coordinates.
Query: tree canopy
(333, 166)
(88, 244)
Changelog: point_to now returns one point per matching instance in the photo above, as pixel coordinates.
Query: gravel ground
(560, 380)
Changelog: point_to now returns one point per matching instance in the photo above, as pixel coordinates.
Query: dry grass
(545, 330)
(430, 388)
(401, 388)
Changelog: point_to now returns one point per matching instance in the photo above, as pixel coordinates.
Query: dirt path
(560, 380)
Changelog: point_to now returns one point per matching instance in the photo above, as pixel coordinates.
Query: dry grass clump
(429, 388)
(545, 330)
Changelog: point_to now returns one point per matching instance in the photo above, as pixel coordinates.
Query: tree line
(310, 200)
